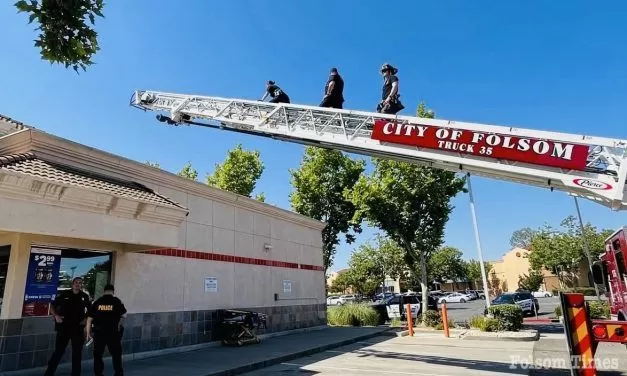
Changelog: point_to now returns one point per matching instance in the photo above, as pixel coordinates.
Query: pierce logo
(592, 184)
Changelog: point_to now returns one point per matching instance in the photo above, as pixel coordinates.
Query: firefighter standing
(390, 102)
(106, 314)
(333, 91)
(68, 310)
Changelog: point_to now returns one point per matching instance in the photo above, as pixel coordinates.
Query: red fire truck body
(610, 273)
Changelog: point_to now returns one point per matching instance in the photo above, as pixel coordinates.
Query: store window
(5, 252)
(51, 270)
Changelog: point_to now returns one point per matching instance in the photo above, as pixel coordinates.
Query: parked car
(542, 294)
(455, 297)
(523, 299)
(480, 294)
(343, 299)
(333, 300)
(473, 295)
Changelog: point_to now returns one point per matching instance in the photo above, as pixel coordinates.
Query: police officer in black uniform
(277, 94)
(333, 91)
(390, 102)
(106, 315)
(69, 309)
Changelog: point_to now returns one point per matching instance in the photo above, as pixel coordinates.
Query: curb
(296, 355)
(535, 337)
(461, 334)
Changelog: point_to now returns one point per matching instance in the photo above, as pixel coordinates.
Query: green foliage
(509, 316)
(322, 185)
(484, 324)
(532, 281)
(66, 37)
(446, 263)
(473, 272)
(188, 172)
(239, 172)
(411, 203)
(561, 251)
(431, 319)
(370, 264)
(396, 323)
(261, 197)
(352, 315)
(153, 164)
(341, 283)
(599, 310)
(522, 238)
(558, 311)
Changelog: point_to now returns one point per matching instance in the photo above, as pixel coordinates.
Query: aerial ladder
(594, 168)
(590, 167)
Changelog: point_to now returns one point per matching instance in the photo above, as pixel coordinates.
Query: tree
(341, 283)
(473, 272)
(239, 172)
(370, 264)
(153, 164)
(411, 203)
(261, 197)
(532, 281)
(522, 238)
(446, 263)
(561, 251)
(188, 172)
(90, 278)
(322, 185)
(65, 38)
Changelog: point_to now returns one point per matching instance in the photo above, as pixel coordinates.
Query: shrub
(395, 323)
(432, 319)
(509, 316)
(558, 311)
(352, 315)
(599, 310)
(485, 324)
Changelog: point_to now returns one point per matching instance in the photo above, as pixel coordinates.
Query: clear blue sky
(539, 64)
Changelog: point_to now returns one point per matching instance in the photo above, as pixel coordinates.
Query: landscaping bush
(599, 310)
(485, 324)
(509, 316)
(352, 315)
(558, 311)
(432, 319)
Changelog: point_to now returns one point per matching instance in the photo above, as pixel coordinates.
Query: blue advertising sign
(42, 279)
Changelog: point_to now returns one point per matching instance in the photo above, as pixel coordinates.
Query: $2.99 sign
(42, 281)
(490, 145)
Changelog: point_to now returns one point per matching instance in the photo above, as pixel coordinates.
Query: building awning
(111, 209)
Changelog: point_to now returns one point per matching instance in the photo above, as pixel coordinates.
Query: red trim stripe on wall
(183, 253)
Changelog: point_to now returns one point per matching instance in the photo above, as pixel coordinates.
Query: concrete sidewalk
(221, 360)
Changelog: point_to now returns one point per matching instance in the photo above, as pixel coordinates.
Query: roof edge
(54, 148)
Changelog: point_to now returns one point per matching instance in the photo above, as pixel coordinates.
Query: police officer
(69, 309)
(106, 315)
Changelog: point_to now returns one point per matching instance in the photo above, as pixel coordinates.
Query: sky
(532, 64)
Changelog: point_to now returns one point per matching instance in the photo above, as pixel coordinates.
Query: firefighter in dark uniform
(69, 309)
(106, 314)
(390, 102)
(333, 91)
(277, 94)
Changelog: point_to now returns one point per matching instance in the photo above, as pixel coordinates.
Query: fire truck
(610, 273)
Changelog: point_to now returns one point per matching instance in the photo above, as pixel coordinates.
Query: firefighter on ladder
(390, 104)
(277, 94)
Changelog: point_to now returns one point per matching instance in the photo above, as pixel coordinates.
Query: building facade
(178, 251)
(505, 273)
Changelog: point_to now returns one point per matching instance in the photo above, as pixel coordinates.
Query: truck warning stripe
(581, 338)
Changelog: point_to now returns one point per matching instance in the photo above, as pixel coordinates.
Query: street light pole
(478, 241)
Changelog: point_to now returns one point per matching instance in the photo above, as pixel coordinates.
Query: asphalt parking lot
(460, 312)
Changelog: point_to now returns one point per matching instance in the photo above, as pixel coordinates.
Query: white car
(333, 300)
(542, 294)
(455, 297)
(395, 304)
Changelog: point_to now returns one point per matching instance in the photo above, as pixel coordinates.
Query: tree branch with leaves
(66, 37)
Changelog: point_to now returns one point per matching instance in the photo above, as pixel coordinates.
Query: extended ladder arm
(591, 167)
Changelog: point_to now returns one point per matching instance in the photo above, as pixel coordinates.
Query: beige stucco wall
(165, 283)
